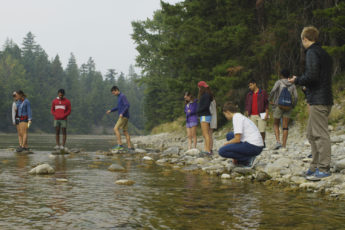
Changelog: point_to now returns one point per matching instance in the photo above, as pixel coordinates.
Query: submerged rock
(42, 169)
(116, 168)
(124, 182)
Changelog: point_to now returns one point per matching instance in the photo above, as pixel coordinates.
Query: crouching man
(245, 143)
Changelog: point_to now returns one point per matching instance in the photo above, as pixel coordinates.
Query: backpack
(285, 100)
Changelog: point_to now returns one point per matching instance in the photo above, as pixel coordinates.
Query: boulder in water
(116, 168)
(124, 182)
(42, 169)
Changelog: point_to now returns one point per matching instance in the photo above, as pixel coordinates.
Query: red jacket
(262, 102)
(61, 108)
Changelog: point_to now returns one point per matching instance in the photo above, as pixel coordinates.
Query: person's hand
(188, 111)
(292, 79)
(121, 115)
(108, 111)
(14, 123)
(29, 123)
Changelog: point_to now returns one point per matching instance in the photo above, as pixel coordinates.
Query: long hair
(204, 90)
(21, 93)
(189, 94)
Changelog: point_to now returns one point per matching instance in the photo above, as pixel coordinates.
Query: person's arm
(273, 92)
(193, 108)
(68, 108)
(236, 139)
(14, 108)
(29, 110)
(312, 70)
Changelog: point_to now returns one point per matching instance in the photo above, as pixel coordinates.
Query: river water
(160, 199)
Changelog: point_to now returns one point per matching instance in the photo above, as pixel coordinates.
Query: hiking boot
(205, 154)
(310, 156)
(277, 146)
(118, 147)
(57, 147)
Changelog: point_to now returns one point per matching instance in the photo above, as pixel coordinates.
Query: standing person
(245, 142)
(203, 111)
(25, 119)
(15, 118)
(190, 108)
(213, 124)
(122, 122)
(317, 78)
(61, 109)
(257, 107)
(282, 112)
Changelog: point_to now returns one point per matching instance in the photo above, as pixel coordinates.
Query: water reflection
(161, 198)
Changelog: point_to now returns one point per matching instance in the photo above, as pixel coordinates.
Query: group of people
(248, 138)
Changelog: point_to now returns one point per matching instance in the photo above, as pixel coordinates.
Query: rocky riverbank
(272, 167)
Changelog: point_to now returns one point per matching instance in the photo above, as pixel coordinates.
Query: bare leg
(24, 129)
(57, 135)
(118, 135)
(193, 131)
(20, 139)
(64, 138)
(205, 127)
(210, 133)
(128, 138)
(285, 130)
(276, 129)
(189, 137)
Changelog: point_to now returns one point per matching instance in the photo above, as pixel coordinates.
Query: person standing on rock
(205, 98)
(317, 78)
(190, 108)
(245, 142)
(213, 124)
(122, 123)
(257, 107)
(279, 113)
(61, 109)
(25, 119)
(15, 118)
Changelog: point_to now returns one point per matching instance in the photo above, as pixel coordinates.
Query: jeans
(242, 152)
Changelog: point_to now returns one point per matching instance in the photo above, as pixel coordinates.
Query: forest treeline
(226, 42)
(30, 69)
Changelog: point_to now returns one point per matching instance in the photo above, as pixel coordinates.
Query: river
(161, 198)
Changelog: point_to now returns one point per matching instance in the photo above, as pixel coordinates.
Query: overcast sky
(87, 28)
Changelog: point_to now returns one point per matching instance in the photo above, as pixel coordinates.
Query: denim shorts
(191, 124)
(206, 119)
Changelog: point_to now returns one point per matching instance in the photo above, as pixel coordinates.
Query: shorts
(206, 119)
(122, 123)
(279, 113)
(191, 124)
(260, 123)
(60, 123)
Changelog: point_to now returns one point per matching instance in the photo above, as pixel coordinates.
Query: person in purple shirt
(190, 108)
(122, 123)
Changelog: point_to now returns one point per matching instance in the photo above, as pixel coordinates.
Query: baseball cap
(203, 84)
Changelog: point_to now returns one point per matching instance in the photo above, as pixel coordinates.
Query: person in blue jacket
(25, 118)
(122, 123)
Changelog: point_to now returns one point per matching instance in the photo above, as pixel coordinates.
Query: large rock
(340, 165)
(140, 151)
(193, 152)
(42, 169)
(278, 165)
(116, 168)
(262, 176)
(124, 182)
(225, 176)
(147, 158)
(171, 151)
(243, 170)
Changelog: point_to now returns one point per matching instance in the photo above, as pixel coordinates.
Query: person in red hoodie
(61, 109)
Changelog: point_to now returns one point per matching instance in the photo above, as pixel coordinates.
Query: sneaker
(205, 154)
(309, 172)
(283, 149)
(26, 149)
(118, 147)
(61, 147)
(247, 164)
(57, 147)
(310, 156)
(277, 146)
(318, 175)
(19, 149)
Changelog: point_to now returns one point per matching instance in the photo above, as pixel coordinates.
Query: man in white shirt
(245, 143)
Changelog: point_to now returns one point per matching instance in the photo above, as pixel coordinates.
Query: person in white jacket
(15, 120)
